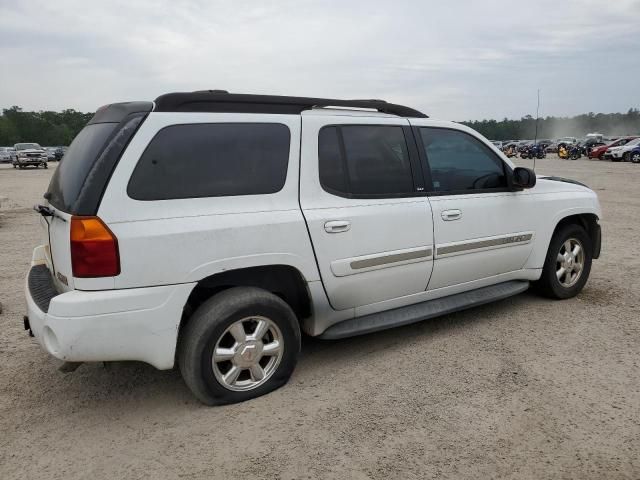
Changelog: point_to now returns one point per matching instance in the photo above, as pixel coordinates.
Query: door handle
(449, 215)
(337, 226)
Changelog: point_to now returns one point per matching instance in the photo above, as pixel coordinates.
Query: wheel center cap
(248, 353)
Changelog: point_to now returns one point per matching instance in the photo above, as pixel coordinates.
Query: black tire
(46, 166)
(635, 158)
(625, 157)
(549, 285)
(209, 323)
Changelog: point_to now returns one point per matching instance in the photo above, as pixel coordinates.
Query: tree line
(59, 128)
(557, 127)
(45, 128)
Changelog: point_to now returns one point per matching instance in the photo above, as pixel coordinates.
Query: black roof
(223, 101)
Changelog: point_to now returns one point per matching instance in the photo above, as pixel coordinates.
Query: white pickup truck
(208, 230)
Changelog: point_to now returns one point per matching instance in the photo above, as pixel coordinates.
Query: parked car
(567, 140)
(589, 143)
(29, 154)
(552, 148)
(215, 227)
(634, 154)
(596, 137)
(51, 153)
(600, 152)
(59, 153)
(621, 152)
(6, 154)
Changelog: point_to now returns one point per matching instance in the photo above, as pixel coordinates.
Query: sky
(454, 59)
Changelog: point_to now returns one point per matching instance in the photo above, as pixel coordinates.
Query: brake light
(94, 249)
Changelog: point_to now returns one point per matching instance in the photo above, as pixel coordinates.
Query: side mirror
(524, 178)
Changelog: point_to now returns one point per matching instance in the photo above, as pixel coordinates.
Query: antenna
(535, 140)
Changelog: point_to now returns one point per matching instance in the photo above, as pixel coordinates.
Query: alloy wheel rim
(570, 262)
(248, 353)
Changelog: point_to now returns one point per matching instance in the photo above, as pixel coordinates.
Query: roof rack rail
(223, 101)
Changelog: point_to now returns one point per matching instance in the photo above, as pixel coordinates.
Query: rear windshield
(70, 175)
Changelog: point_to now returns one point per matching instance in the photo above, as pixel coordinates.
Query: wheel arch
(586, 218)
(284, 281)
(590, 222)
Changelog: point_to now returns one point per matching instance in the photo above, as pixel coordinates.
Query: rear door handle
(449, 215)
(337, 226)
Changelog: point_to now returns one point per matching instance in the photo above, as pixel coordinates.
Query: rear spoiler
(116, 112)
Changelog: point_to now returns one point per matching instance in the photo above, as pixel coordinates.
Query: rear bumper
(110, 325)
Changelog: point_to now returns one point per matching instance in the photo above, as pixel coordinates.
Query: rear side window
(212, 160)
(364, 161)
(460, 163)
(67, 181)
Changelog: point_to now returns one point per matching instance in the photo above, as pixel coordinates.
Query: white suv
(208, 229)
(622, 152)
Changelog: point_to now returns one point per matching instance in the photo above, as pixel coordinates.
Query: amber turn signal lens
(94, 249)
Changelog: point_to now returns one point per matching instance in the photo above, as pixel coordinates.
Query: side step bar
(423, 311)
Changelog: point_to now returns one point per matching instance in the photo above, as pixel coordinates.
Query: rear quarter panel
(178, 241)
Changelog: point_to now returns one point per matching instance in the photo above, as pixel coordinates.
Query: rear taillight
(94, 249)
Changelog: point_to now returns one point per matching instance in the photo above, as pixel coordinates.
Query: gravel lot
(523, 388)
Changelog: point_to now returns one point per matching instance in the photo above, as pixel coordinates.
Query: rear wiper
(47, 211)
(43, 210)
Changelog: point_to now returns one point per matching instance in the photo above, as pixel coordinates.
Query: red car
(598, 152)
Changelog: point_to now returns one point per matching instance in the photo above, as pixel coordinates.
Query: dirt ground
(523, 388)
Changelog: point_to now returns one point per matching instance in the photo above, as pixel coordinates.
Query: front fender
(543, 237)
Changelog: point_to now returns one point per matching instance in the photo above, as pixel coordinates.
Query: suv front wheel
(240, 344)
(568, 263)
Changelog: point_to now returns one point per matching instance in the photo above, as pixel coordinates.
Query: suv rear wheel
(568, 263)
(238, 345)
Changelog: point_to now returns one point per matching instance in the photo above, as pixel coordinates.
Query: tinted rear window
(212, 160)
(364, 161)
(70, 175)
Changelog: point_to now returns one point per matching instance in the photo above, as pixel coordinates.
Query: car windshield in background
(633, 142)
(27, 146)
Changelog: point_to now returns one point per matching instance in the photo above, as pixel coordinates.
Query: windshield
(27, 146)
(633, 142)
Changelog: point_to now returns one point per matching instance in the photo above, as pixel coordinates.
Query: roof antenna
(535, 140)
